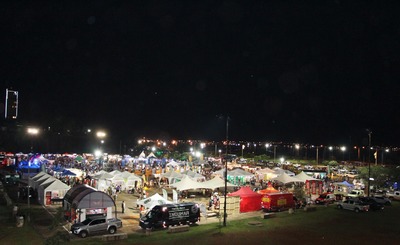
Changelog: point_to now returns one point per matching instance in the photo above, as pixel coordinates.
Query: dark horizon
(313, 73)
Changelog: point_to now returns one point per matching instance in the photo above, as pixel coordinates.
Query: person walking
(123, 206)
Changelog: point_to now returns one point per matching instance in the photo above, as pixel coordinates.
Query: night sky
(320, 72)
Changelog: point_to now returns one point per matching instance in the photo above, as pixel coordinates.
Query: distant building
(11, 104)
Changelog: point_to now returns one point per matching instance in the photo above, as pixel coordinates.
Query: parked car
(384, 200)
(374, 205)
(96, 225)
(325, 198)
(393, 195)
(353, 205)
(356, 193)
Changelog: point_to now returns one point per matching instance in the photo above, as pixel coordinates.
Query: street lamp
(226, 168)
(369, 161)
(33, 132)
(343, 149)
(243, 146)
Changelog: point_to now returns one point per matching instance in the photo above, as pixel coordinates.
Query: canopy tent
(280, 171)
(172, 176)
(142, 155)
(174, 164)
(36, 177)
(304, 177)
(285, 179)
(37, 182)
(269, 189)
(187, 183)
(249, 200)
(54, 190)
(118, 180)
(67, 172)
(115, 172)
(266, 174)
(239, 176)
(102, 181)
(216, 182)
(132, 181)
(152, 201)
(195, 176)
(151, 155)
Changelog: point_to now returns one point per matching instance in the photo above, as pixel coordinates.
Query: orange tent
(267, 190)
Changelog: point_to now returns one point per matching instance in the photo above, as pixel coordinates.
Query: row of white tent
(125, 180)
(48, 187)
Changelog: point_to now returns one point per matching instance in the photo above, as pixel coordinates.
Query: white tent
(279, 171)
(172, 176)
(216, 182)
(36, 183)
(54, 190)
(187, 183)
(36, 177)
(174, 164)
(152, 201)
(151, 155)
(194, 176)
(115, 172)
(102, 181)
(266, 174)
(132, 181)
(304, 177)
(142, 156)
(285, 179)
(118, 180)
(239, 172)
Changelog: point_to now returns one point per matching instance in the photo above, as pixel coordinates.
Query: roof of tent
(57, 185)
(239, 172)
(152, 201)
(304, 177)
(216, 182)
(243, 192)
(187, 183)
(285, 178)
(84, 196)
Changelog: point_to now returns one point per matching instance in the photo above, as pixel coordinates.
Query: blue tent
(346, 184)
(67, 172)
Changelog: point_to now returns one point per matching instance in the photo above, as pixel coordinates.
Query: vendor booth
(249, 200)
(83, 201)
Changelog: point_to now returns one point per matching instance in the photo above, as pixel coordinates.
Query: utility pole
(369, 162)
(226, 168)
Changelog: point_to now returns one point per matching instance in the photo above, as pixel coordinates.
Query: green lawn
(326, 225)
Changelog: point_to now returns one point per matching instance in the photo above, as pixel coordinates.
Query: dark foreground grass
(326, 225)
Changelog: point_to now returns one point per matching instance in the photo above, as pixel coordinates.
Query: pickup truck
(353, 205)
(96, 225)
(393, 195)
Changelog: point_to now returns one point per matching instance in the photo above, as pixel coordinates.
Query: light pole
(369, 162)
(343, 149)
(33, 132)
(226, 168)
(243, 146)
(386, 150)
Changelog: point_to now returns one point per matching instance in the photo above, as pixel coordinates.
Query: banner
(174, 196)
(165, 194)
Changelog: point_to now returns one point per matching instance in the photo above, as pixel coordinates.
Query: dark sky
(318, 72)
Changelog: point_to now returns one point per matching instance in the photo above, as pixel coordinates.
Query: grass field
(326, 225)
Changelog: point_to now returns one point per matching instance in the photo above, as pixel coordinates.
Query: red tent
(249, 200)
